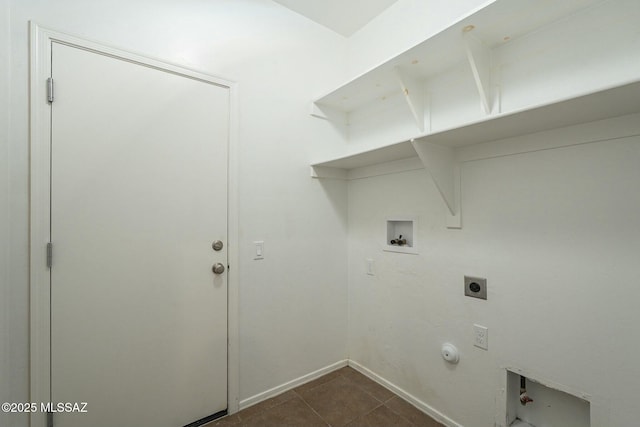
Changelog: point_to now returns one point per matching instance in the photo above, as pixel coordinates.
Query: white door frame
(40, 232)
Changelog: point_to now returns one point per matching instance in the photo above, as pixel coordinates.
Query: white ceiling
(342, 16)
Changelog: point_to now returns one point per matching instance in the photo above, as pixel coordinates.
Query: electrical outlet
(475, 287)
(481, 336)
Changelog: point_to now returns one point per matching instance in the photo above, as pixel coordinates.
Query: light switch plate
(370, 270)
(481, 336)
(259, 250)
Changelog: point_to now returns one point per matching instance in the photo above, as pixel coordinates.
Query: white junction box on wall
(401, 235)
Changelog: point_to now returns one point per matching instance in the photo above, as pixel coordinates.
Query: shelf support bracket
(479, 57)
(327, 113)
(414, 95)
(441, 163)
(328, 172)
(455, 220)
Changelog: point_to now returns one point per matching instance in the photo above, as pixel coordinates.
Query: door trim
(39, 209)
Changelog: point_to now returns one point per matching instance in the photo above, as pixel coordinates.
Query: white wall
(292, 307)
(555, 232)
(402, 26)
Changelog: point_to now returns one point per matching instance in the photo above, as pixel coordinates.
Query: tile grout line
(242, 419)
(365, 391)
(313, 410)
(319, 385)
(383, 402)
(362, 389)
(347, 375)
(401, 416)
(395, 396)
(367, 413)
(346, 378)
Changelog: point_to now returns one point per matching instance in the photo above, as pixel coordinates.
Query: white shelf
(437, 150)
(474, 51)
(494, 25)
(397, 151)
(604, 104)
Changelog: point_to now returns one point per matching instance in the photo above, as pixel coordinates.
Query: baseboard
(433, 413)
(436, 415)
(250, 401)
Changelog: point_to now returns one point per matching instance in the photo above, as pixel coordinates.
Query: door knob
(218, 268)
(217, 245)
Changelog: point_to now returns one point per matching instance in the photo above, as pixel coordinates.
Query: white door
(139, 193)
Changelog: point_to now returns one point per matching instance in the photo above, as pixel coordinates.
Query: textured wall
(292, 308)
(556, 233)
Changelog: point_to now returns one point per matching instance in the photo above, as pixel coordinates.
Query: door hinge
(50, 89)
(49, 254)
(49, 419)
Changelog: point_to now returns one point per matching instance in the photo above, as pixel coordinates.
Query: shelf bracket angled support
(414, 95)
(328, 113)
(328, 172)
(440, 161)
(479, 57)
(455, 220)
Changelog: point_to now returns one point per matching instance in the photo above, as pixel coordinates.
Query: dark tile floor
(341, 398)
